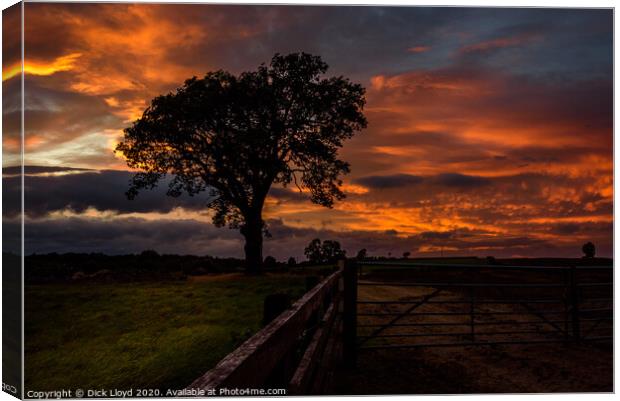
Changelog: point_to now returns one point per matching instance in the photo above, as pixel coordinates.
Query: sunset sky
(490, 130)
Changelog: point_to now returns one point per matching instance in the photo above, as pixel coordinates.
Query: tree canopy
(236, 135)
(588, 249)
(327, 252)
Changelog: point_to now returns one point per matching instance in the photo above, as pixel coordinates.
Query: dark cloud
(434, 235)
(460, 180)
(287, 194)
(11, 32)
(128, 235)
(100, 190)
(52, 189)
(131, 235)
(596, 230)
(452, 180)
(389, 181)
(29, 170)
(567, 228)
(62, 115)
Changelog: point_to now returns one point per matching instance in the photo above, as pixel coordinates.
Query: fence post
(574, 304)
(471, 313)
(566, 300)
(349, 317)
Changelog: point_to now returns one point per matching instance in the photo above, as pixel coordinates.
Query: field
(164, 333)
(141, 335)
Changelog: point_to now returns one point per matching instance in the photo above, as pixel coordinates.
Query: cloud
(63, 127)
(129, 235)
(389, 181)
(116, 233)
(288, 195)
(132, 235)
(418, 49)
(461, 180)
(453, 180)
(11, 31)
(33, 170)
(499, 43)
(82, 190)
(44, 68)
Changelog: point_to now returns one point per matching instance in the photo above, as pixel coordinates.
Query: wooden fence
(300, 349)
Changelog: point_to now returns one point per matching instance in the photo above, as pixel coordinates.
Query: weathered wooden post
(566, 299)
(574, 304)
(472, 317)
(349, 312)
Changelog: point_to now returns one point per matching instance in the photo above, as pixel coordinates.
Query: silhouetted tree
(406, 254)
(236, 136)
(149, 254)
(313, 251)
(270, 262)
(589, 250)
(327, 252)
(361, 254)
(331, 251)
(292, 262)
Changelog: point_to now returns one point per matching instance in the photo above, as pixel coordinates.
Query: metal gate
(408, 305)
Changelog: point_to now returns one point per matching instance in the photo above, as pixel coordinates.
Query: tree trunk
(253, 233)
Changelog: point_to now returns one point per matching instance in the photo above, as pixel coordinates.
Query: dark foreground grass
(140, 335)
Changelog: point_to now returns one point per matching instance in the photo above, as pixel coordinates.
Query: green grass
(140, 335)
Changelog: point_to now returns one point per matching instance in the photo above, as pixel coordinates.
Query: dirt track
(492, 369)
(529, 368)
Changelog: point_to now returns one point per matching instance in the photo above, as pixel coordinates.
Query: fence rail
(461, 266)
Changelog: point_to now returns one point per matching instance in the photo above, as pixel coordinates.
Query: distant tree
(292, 262)
(236, 136)
(149, 253)
(326, 252)
(314, 252)
(406, 254)
(491, 260)
(270, 262)
(331, 251)
(589, 250)
(361, 254)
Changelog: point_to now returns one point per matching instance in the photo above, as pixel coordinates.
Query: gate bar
(467, 344)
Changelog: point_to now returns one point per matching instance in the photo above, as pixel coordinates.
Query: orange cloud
(418, 49)
(42, 68)
(499, 43)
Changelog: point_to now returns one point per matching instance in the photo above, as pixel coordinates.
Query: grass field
(141, 335)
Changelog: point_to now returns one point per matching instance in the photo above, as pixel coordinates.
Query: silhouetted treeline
(149, 265)
(100, 267)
